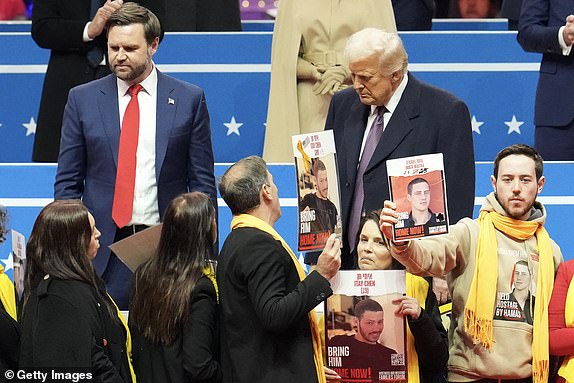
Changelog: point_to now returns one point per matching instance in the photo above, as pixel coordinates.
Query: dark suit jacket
(59, 26)
(538, 28)
(265, 334)
(90, 140)
(427, 120)
(413, 15)
(193, 356)
(9, 343)
(202, 16)
(65, 324)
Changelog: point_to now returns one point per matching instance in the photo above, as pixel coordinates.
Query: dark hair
(3, 227)
(418, 180)
(318, 165)
(366, 304)
(163, 285)
(374, 216)
(58, 246)
(132, 13)
(521, 150)
(241, 184)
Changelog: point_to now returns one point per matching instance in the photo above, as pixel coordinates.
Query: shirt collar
(148, 84)
(395, 98)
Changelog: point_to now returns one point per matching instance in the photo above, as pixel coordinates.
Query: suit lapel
(400, 125)
(167, 103)
(108, 108)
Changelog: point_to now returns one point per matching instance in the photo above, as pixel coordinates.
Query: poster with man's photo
(417, 187)
(319, 213)
(365, 340)
(516, 290)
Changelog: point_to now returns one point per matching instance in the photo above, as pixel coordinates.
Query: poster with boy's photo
(417, 186)
(365, 339)
(317, 189)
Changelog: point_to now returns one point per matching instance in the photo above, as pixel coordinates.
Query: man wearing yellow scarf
(489, 339)
(269, 332)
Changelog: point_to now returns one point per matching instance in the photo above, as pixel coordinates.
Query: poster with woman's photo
(417, 187)
(319, 213)
(365, 339)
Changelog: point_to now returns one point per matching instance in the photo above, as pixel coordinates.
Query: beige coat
(309, 37)
(455, 253)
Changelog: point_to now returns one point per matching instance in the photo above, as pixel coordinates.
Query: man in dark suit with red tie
(390, 114)
(132, 141)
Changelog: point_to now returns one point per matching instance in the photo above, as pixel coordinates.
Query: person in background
(69, 322)
(561, 322)
(202, 16)
(427, 341)
(12, 10)
(10, 338)
(307, 64)
(173, 308)
(547, 27)
(474, 9)
(74, 31)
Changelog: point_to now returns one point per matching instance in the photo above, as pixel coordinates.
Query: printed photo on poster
(317, 188)
(417, 187)
(19, 261)
(515, 299)
(365, 340)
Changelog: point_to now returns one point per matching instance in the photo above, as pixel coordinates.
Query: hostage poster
(319, 213)
(365, 339)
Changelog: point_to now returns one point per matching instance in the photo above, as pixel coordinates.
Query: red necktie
(126, 174)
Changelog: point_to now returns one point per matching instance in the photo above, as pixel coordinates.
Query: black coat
(194, 355)
(202, 16)
(431, 341)
(9, 343)
(59, 26)
(427, 120)
(65, 324)
(265, 331)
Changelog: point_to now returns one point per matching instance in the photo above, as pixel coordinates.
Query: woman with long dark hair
(69, 322)
(173, 309)
(427, 345)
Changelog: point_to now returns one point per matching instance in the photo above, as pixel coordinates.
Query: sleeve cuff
(565, 48)
(85, 36)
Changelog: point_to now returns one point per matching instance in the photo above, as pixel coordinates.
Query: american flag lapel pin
(170, 101)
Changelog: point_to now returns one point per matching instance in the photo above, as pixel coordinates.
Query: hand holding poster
(317, 188)
(417, 187)
(365, 338)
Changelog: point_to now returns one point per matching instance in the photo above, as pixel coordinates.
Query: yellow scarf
(567, 368)
(128, 340)
(417, 288)
(479, 309)
(7, 294)
(246, 220)
(208, 272)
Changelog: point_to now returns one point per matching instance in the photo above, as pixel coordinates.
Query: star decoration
(233, 126)
(514, 125)
(30, 127)
(301, 260)
(476, 124)
(8, 262)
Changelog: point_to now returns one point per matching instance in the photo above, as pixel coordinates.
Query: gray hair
(240, 185)
(388, 46)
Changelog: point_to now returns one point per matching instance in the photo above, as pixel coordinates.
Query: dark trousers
(555, 143)
(117, 276)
